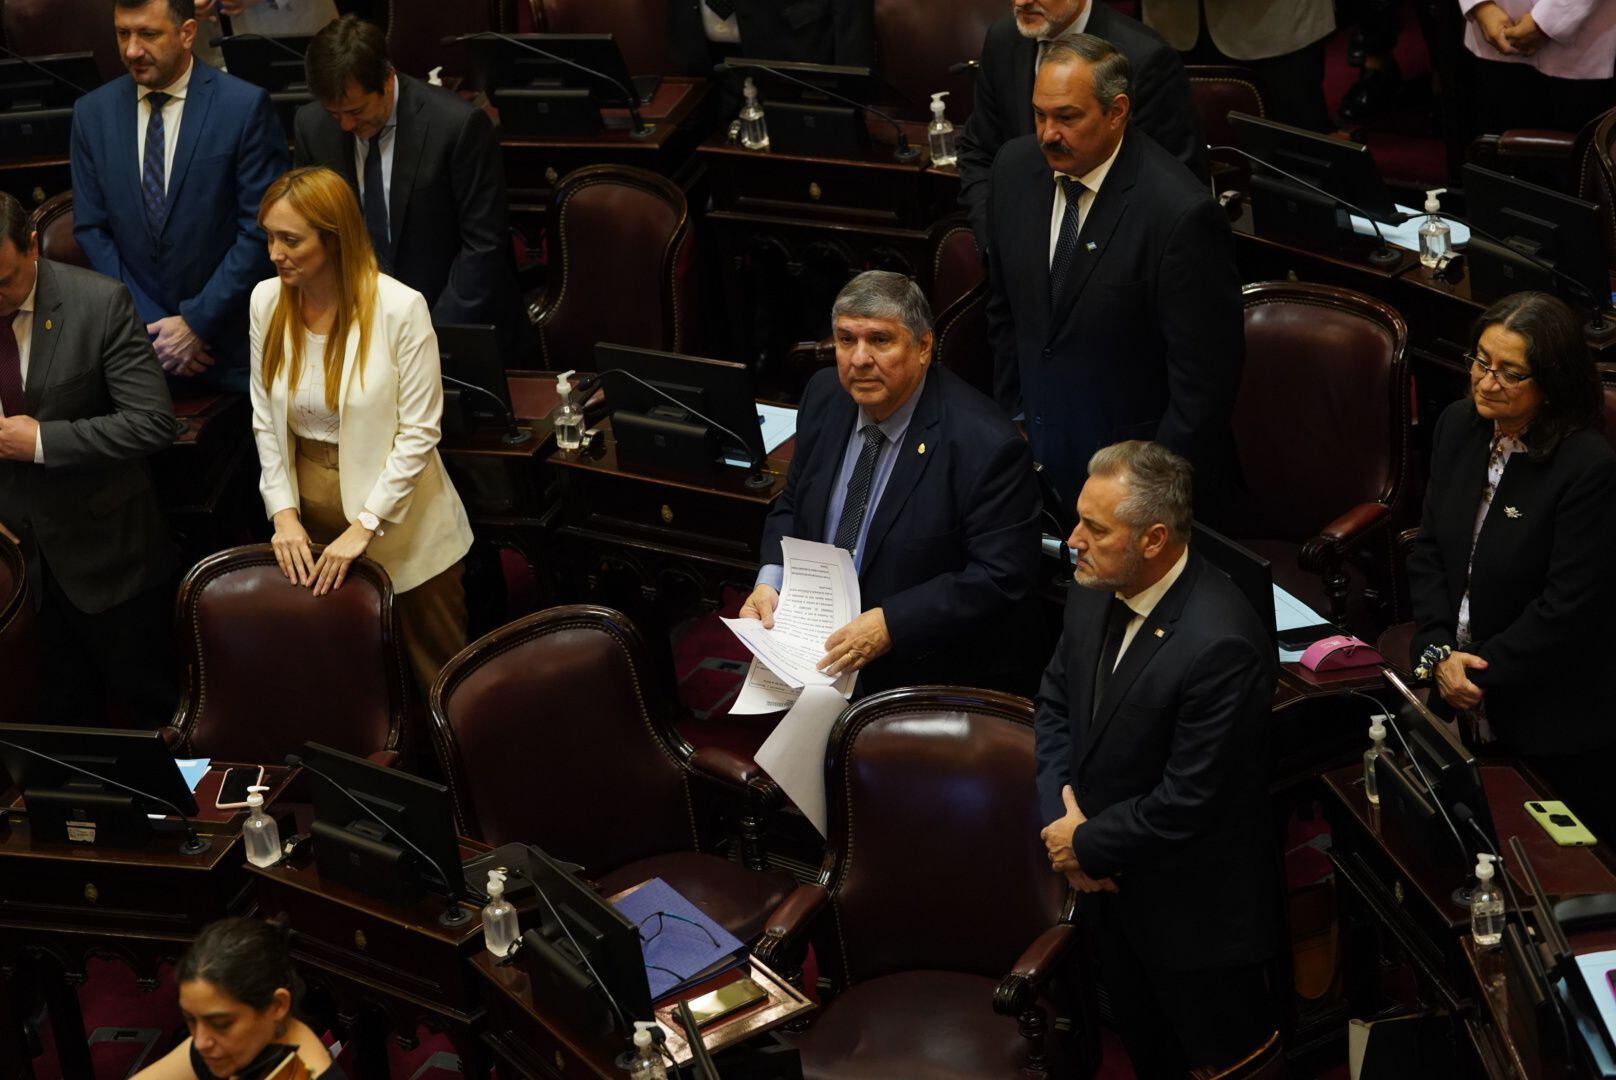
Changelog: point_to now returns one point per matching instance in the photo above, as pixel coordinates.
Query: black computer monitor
(654, 434)
(45, 82)
(498, 64)
(51, 766)
(272, 61)
(354, 848)
(1251, 573)
(1344, 169)
(808, 123)
(1529, 237)
(34, 134)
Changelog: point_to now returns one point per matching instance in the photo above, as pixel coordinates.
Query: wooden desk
(510, 494)
(33, 180)
(62, 903)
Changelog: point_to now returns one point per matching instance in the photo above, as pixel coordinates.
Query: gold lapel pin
(921, 449)
(1160, 632)
(49, 325)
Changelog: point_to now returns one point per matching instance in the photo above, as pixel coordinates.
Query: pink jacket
(1582, 36)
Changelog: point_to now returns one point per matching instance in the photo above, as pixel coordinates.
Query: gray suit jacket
(96, 389)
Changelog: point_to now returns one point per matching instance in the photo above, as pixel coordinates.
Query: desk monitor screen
(58, 793)
(1344, 169)
(1449, 765)
(858, 83)
(1250, 572)
(272, 61)
(46, 82)
(352, 848)
(31, 134)
(1529, 226)
(470, 352)
(501, 65)
(719, 389)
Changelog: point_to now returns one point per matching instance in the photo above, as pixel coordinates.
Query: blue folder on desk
(681, 945)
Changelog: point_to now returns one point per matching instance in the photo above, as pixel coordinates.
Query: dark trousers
(1506, 96)
(1171, 1021)
(1293, 83)
(1583, 783)
(115, 666)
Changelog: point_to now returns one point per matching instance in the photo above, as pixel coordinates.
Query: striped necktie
(858, 488)
(1060, 267)
(153, 187)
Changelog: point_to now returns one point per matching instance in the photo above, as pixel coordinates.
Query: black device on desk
(814, 110)
(45, 82)
(1537, 239)
(272, 61)
(477, 393)
(534, 79)
(96, 785)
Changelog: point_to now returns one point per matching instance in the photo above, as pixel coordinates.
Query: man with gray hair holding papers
(929, 487)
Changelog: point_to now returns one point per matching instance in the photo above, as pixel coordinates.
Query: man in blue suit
(930, 487)
(168, 167)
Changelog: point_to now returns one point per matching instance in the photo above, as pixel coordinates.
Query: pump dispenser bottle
(647, 1061)
(500, 928)
(1377, 749)
(754, 128)
(940, 133)
(260, 833)
(1434, 234)
(1486, 905)
(568, 418)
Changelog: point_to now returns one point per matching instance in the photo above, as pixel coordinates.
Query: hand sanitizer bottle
(1377, 749)
(754, 128)
(500, 928)
(568, 418)
(260, 833)
(647, 1062)
(1486, 905)
(940, 132)
(1434, 234)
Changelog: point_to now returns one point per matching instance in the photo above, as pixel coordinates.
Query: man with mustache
(1162, 105)
(1115, 305)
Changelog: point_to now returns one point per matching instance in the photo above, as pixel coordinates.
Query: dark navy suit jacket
(951, 556)
(210, 252)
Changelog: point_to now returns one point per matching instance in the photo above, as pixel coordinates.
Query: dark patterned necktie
(11, 391)
(1060, 267)
(152, 185)
(1116, 625)
(858, 488)
(376, 206)
(722, 8)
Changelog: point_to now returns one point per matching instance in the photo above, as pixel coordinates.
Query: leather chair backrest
(19, 648)
(416, 29)
(1218, 90)
(622, 264)
(46, 27)
(1596, 178)
(640, 27)
(923, 783)
(917, 40)
(1321, 421)
(956, 267)
(961, 341)
(550, 731)
(53, 221)
(270, 665)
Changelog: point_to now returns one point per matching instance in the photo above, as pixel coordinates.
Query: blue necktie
(152, 185)
(376, 206)
(1060, 267)
(858, 488)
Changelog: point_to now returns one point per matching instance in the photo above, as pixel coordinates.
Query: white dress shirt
(1091, 182)
(309, 416)
(726, 31)
(22, 328)
(173, 114)
(1143, 602)
(362, 148)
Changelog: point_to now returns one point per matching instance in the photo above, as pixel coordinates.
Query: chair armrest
(783, 942)
(173, 738)
(387, 759)
(1535, 143)
(726, 766)
(1018, 990)
(1320, 553)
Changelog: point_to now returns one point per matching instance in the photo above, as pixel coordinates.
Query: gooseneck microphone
(640, 130)
(273, 40)
(903, 152)
(192, 845)
(1385, 255)
(1599, 325)
(514, 435)
(42, 69)
(455, 915)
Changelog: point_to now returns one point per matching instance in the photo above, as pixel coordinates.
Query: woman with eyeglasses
(1512, 574)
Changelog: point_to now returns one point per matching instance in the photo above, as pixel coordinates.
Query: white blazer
(1242, 29)
(387, 443)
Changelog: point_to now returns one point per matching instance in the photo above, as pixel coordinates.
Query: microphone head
(1463, 812)
(294, 760)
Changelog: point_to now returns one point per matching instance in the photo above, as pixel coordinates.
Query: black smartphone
(1302, 636)
(233, 791)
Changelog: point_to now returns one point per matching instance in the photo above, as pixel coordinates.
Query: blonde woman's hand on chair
(292, 552)
(332, 568)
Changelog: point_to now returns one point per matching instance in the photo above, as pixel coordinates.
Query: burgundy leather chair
(416, 29)
(915, 47)
(960, 339)
(19, 648)
(929, 786)
(1322, 428)
(1578, 163)
(269, 665)
(45, 27)
(553, 730)
(1218, 90)
(53, 221)
(622, 266)
(640, 27)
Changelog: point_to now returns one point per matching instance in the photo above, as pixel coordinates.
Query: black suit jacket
(811, 31)
(951, 556)
(1542, 583)
(1162, 105)
(1171, 769)
(1147, 341)
(103, 407)
(447, 207)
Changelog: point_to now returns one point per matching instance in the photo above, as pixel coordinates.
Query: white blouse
(308, 415)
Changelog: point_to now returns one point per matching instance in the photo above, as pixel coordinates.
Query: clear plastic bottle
(1486, 905)
(260, 833)
(1377, 749)
(500, 928)
(940, 133)
(1435, 236)
(647, 1061)
(568, 418)
(754, 128)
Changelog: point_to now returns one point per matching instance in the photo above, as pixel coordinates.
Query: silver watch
(370, 521)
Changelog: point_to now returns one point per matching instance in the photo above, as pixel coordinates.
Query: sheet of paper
(1290, 613)
(763, 692)
(1596, 969)
(818, 596)
(1407, 235)
(193, 769)
(779, 423)
(794, 755)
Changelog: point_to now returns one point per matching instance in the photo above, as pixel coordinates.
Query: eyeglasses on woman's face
(1508, 378)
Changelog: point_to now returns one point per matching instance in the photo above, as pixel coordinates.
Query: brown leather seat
(1321, 427)
(271, 666)
(53, 221)
(45, 27)
(640, 27)
(622, 266)
(1578, 163)
(916, 47)
(923, 782)
(1218, 90)
(19, 648)
(554, 731)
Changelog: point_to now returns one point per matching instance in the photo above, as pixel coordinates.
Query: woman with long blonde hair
(347, 402)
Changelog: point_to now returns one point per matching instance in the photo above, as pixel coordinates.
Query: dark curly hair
(1561, 366)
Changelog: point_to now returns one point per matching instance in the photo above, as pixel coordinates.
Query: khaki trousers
(431, 616)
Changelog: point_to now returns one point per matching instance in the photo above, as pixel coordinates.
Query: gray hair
(1113, 74)
(883, 294)
(1160, 489)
